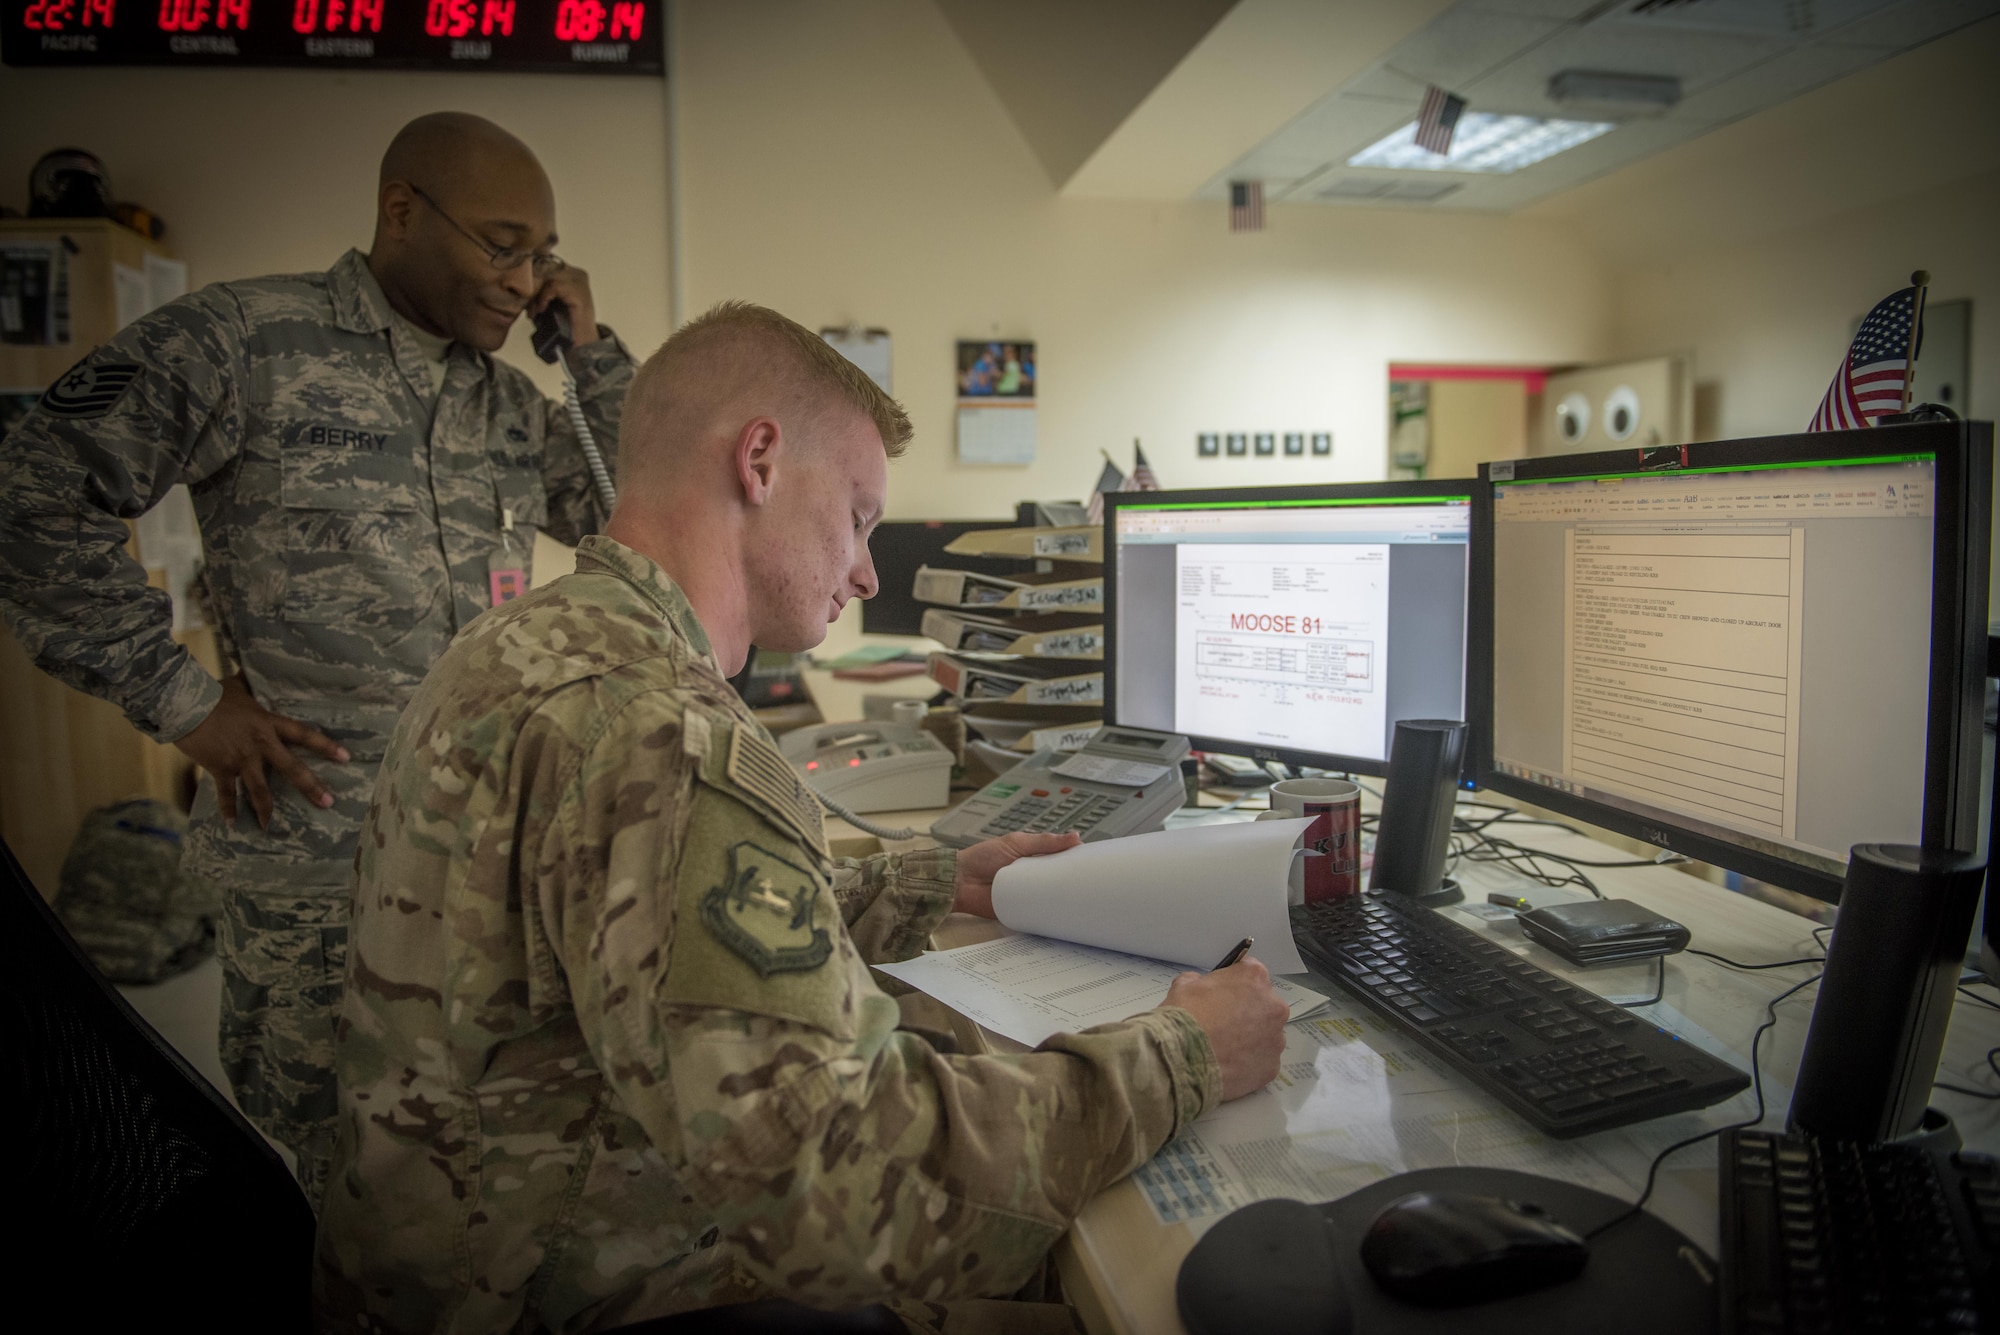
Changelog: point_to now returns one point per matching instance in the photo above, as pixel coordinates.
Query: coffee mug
(1332, 859)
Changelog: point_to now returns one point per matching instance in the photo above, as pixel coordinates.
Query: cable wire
(1739, 964)
(865, 825)
(1756, 1083)
(599, 474)
(1659, 988)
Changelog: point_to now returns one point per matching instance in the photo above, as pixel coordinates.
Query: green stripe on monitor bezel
(1720, 468)
(1123, 506)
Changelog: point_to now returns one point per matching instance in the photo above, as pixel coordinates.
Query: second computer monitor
(1297, 624)
(1758, 653)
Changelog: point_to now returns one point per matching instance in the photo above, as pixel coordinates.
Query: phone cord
(598, 472)
(864, 824)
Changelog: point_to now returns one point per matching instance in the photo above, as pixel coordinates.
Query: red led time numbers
(311, 16)
(59, 15)
(199, 15)
(461, 18)
(588, 20)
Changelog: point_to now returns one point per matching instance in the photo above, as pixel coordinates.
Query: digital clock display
(570, 36)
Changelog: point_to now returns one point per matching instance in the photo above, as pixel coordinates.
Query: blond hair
(735, 345)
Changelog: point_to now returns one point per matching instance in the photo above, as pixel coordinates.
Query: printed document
(1283, 643)
(1031, 988)
(1184, 896)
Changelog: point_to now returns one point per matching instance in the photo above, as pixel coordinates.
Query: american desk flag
(1142, 478)
(1874, 377)
(1113, 478)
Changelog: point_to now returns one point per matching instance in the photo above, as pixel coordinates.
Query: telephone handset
(551, 338)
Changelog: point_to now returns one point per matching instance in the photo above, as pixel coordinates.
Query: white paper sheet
(129, 293)
(996, 433)
(1186, 896)
(166, 280)
(1029, 987)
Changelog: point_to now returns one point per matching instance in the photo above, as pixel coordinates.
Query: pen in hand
(1236, 952)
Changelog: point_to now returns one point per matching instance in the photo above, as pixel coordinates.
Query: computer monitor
(899, 546)
(1757, 653)
(1296, 624)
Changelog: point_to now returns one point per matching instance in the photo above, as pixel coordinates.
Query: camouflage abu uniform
(347, 525)
(609, 1048)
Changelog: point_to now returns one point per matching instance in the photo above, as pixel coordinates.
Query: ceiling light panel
(1484, 142)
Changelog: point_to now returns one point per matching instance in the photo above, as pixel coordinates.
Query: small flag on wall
(1437, 119)
(1246, 206)
(1874, 377)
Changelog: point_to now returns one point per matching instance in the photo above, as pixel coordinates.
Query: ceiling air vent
(1609, 92)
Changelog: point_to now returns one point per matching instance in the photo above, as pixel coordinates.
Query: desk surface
(1119, 1262)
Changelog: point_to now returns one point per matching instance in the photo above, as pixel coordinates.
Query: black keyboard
(1565, 1059)
(1835, 1236)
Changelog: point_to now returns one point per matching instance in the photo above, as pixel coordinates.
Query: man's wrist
(190, 697)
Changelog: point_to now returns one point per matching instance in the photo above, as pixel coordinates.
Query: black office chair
(141, 1198)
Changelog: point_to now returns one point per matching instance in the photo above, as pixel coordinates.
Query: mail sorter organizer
(1024, 653)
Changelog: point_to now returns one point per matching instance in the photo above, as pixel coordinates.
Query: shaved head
(753, 464)
(452, 153)
(456, 189)
(735, 362)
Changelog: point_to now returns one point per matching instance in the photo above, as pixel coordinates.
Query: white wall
(849, 163)
(1769, 320)
(273, 171)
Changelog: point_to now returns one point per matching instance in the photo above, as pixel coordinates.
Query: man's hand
(1244, 1020)
(571, 286)
(978, 865)
(239, 737)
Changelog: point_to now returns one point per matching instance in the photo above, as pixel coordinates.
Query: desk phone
(1126, 781)
(870, 766)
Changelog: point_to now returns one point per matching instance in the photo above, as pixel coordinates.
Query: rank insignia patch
(89, 389)
(765, 912)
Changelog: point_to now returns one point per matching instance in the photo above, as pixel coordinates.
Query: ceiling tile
(1725, 75)
(1333, 128)
(1777, 80)
(1566, 10)
(1915, 22)
(1696, 59)
(1462, 44)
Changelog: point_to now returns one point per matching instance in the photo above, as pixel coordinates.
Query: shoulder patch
(89, 389)
(758, 769)
(764, 910)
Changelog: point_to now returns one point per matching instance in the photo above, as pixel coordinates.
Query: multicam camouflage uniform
(350, 516)
(610, 1048)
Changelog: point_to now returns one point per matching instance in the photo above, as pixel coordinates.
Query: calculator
(1126, 781)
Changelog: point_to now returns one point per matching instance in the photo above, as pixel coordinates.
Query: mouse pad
(1280, 1267)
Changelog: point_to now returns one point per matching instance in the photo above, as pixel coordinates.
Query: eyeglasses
(504, 257)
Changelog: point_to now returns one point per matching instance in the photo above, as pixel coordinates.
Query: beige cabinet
(62, 752)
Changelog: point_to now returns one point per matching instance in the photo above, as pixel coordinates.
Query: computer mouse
(1450, 1248)
(1270, 1267)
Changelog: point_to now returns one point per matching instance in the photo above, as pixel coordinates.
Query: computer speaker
(1878, 1027)
(1413, 836)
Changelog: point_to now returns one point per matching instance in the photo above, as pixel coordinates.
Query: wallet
(1601, 931)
